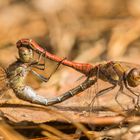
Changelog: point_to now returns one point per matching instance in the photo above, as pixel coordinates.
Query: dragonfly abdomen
(30, 95)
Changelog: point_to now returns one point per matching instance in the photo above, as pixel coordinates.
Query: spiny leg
(137, 103)
(118, 93)
(34, 65)
(116, 98)
(37, 64)
(41, 77)
(100, 93)
(39, 59)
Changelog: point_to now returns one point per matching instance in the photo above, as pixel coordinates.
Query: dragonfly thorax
(16, 73)
(133, 77)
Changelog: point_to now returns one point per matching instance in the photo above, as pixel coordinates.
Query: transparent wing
(3, 80)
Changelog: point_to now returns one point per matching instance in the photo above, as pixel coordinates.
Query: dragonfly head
(25, 54)
(133, 77)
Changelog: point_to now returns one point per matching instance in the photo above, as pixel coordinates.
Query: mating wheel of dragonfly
(116, 73)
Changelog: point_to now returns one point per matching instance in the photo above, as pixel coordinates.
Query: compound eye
(133, 77)
(136, 74)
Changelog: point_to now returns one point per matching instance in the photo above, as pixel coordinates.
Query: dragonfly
(15, 74)
(117, 73)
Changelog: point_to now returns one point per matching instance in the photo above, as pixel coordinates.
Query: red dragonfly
(117, 73)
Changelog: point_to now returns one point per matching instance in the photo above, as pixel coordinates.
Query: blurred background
(84, 31)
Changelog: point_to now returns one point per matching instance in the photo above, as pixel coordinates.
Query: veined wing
(3, 79)
(128, 64)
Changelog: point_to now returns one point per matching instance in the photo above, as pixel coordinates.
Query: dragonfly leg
(41, 77)
(118, 93)
(37, 66)
(38, 61)
(44, 79)
(100, 93)
(30, 95)
(126, 85)
(137, 102)
(116, 98)
(39, 58)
